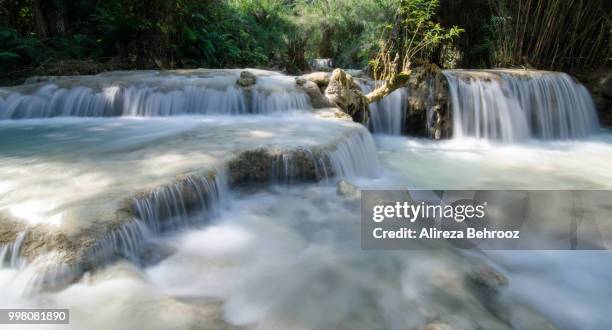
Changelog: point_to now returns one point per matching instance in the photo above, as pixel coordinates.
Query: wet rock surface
(95, 230)
(319, 78)
(317, 99)
(346, 94)
(599, 83)
(246, 79)
(604, 103)
(428, 112)
(348, 190)
(279, 166)
(487, 279)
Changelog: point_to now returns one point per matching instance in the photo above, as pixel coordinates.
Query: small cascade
(126, 241)
(104, 97)
(321, 64)
(46, 272)
(297, 166)
(355, 156)
(513, 105)
(174, 206)
(265, 102)
(164, 209)
(387, 116)
(10, 254)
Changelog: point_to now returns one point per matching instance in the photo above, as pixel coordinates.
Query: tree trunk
(396, 81)
(49, 20)
(40, 21)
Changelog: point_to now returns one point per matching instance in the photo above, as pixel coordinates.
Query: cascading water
(173, 207)
(355, 156)
(241, 260)
(387, 115)
(126, 241)
(512, 105)
(10, 254)
(151, 95)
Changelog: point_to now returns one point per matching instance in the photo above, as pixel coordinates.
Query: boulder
(428, 112)
(317, 99)
(343, 92)
(599, 83)
(319, 78)
(347, 190)
(246, 79)
(487, 279)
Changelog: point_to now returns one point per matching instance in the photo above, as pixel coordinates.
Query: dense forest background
(53, 37)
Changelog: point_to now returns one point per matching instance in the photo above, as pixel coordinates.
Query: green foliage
(16, 50)
(415, 35)
(169, 34)
(347, 31)
(157, 33)
(547, 34)
(283, 34)
(424, 33)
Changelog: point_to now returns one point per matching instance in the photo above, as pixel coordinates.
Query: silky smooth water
(478, 164)
(516, 105)
(289, 256)
(147, 94)
(387, 116)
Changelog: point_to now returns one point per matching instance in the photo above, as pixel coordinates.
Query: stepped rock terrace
(74, 184)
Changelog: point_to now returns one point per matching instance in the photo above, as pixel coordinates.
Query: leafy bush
(16, 50)
(346, 31)
(414, 36)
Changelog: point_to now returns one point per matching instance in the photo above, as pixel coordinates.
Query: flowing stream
(288, 255)
(514, 106)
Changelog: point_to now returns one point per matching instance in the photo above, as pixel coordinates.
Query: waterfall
(174, 206)
(126, 240)
(321, 64)
(105, 97)
(387, 116)
(10, 254)
(512, 105)
(355, 156)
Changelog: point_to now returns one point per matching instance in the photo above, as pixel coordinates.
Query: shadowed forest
(59, 37)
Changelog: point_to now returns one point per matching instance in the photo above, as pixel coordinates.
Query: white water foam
(387, 116)
(125, 94)
(514, 106)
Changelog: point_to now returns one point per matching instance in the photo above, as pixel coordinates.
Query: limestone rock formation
(429, 112)
(487, 279)
(265, 165)
(348, 190)
(599, 83)
(317, 99)
(344, 92)
(246, 79)
(319, 78)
